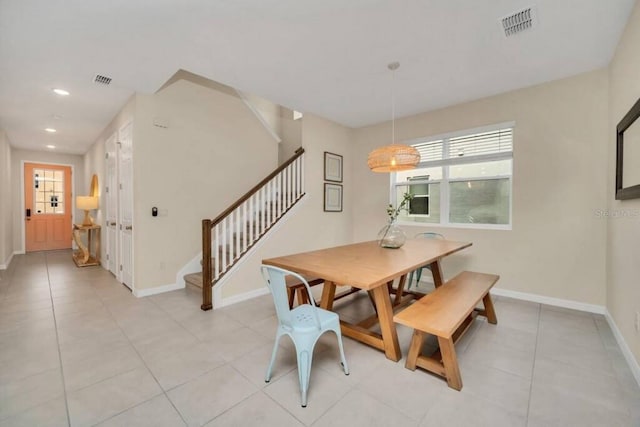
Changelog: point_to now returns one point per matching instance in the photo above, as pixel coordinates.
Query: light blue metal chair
(418, 272)
(304, 324)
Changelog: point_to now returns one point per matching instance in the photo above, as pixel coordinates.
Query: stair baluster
(235, 231)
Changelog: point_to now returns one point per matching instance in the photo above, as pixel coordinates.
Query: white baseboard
(557, 302)
(626, 351)
(242, 297)
(157, 290)
(7, 262)
(590, 308)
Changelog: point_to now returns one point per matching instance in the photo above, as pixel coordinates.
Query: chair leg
(418, 276)
(267, 377)
(304, 372)
(343, 359)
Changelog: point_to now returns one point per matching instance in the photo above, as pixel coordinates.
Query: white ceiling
(328, 57)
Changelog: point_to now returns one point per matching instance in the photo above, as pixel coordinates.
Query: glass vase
(391, 236)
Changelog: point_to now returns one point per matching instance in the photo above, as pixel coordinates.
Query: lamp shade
(393, 158)
(86, 203)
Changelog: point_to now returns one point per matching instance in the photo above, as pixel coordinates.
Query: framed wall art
(332, 197)
(628, 155)
(332, 167)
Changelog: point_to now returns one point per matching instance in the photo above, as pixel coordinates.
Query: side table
(89, 254)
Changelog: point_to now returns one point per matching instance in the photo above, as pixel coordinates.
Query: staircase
(230, 236)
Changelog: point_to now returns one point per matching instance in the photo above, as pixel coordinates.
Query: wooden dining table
(369, 267)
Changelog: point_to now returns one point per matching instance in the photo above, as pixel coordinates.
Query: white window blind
(429, 151)
(466, 148)
(499, 141)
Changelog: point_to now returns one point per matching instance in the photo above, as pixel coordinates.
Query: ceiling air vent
(101, 80)
(518, 22)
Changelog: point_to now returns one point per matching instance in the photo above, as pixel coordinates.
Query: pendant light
(393, 157)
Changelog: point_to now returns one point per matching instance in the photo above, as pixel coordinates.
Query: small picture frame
(332, 197)
(332, 167)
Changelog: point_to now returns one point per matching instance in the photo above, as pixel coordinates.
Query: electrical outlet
(637, 321)
(161, 266)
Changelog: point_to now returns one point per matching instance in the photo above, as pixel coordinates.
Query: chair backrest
(430, 235)
(275, 278)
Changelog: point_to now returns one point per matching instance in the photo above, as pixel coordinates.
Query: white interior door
(125, 203)
(111, 196)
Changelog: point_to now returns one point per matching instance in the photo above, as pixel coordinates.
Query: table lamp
(87, 203)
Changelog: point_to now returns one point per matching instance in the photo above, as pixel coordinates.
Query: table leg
(89, 233)
(328, 293)
(436, 270)
(400, 289)
(387, 327)
(83, 252)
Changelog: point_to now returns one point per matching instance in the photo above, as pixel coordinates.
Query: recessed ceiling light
(61, 92)
(51, 130)
(51, 147)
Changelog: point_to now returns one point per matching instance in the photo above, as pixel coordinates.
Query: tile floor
(78, 349)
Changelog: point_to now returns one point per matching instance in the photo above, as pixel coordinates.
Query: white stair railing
(229, 236)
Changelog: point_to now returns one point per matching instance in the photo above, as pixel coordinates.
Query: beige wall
(6, 229)
(269, 112)
(557, 245)
(212, 152)
(18, 158)
(309, 228)
(291, 135)
(623, 268)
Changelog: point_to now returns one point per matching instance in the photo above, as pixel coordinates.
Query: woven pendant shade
(393, 158)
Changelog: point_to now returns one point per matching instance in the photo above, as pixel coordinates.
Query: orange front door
(47, 198)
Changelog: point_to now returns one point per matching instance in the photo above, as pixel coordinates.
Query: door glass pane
(48, 191)
(480, 201)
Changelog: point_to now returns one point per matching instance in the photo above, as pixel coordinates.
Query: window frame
(445, 163)
(425, 196)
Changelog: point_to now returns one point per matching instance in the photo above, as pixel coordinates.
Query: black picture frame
(332, 167)
(332, 197)
(631, 191)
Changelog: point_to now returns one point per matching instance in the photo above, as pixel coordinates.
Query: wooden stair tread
(194, 279)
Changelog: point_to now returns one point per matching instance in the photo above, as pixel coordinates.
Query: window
(48, 191)
(463, 179)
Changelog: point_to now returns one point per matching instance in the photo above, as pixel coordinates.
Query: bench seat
(296, 288)
(447, 313)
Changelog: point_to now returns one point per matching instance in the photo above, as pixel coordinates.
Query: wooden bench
(295, 288)
(447, 313)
